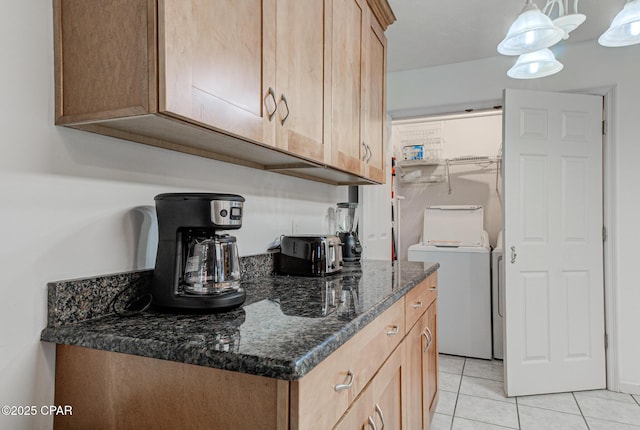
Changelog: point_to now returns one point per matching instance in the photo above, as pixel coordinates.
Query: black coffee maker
(197, 268)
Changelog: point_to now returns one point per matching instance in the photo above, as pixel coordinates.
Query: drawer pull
(372, 423)
(339, 387)
(394, 330)
(379, 412)
(417, 305)
(433, 288)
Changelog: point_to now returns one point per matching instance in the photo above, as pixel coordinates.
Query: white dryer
(497, 293)
(454, 237)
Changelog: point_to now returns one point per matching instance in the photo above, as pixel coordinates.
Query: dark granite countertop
(284, 329)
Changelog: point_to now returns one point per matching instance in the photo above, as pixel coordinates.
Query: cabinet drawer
(320, 398)
(419, 298)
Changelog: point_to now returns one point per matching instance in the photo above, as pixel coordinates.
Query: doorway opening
(431, 176)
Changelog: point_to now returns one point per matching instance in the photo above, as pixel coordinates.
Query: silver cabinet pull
(433, 288)
(271, 94)
(372, 423)
(417, 305)
(364, 156)
(339, 387)
(286, 105)
(394, 330)
(513, 254)
(370, 154)
(428, 336)
(379, 412)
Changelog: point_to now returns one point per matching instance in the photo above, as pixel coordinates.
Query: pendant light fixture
(530, 32)
(535, 65)
(625, 27)
(565, 20)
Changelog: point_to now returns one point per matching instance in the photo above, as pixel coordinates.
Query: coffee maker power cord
(135, 305)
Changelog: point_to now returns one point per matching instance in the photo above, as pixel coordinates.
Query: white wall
(587, 65)
(66, 200)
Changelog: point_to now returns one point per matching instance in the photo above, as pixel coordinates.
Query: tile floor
(472, 398)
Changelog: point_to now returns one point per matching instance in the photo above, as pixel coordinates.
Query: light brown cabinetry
(381, 403)
(322, 396)
(358, 90)
(385, 376)
(212, 74)
(422, 361)
(244, 82)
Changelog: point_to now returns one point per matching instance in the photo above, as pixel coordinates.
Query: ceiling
(437, 32)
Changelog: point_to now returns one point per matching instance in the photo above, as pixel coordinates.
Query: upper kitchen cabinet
(254, 68)
(373, 102)
(216, 64)
(358, 88)
(250, 82)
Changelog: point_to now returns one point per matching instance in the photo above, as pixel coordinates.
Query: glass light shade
(568, 23)
(535, 65)
(625, 27)
(530, 32)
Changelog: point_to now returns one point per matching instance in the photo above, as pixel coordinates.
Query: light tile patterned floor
(472, 398)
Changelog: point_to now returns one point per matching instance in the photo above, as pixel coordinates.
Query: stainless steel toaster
(310, 255)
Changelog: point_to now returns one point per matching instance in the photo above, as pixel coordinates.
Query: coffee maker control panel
(226, 213)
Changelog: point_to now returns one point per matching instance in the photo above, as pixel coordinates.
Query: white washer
(497, 293)
(464, 283)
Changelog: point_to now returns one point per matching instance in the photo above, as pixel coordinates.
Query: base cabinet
(380, 404)
(384, 377)
(422, 364)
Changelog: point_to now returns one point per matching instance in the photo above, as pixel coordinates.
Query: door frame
(609, 212)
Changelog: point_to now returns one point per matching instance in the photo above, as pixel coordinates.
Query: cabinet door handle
(417, 305)
(364, 156)
(429, 339)
(370, 153)
(372, 423)
(272, 95)
(379, 412)
(286, 105)
(394, 330)
(339, 387)
(513, 254)
(433, 288)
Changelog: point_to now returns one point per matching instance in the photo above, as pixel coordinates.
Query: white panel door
(554, 294)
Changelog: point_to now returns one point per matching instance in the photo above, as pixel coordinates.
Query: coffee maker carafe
(347, 225)
(197, 267)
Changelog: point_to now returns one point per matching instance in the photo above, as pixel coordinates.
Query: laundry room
(448, 182)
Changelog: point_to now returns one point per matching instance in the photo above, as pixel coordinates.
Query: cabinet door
(388, 393)
(348, 24)
(300, 80)
(422, 364)
(374, 115)
(380, 404)
(430, 367)
(415, 383)
(216, 63)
